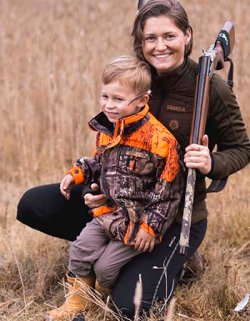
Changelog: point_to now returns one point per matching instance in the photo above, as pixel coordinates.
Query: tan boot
(75, 299)
(104, 292)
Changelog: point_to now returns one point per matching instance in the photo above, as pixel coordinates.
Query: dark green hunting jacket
(172, 103)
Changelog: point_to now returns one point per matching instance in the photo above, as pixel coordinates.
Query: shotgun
(211, 60)
(141, 3)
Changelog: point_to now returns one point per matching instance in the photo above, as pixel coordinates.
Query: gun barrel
(201, 100)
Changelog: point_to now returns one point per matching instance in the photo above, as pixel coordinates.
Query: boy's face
(117, 101)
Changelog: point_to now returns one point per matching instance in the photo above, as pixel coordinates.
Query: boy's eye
(118, 99)
(104, 96)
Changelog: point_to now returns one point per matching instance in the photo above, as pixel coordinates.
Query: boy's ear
(144, 100)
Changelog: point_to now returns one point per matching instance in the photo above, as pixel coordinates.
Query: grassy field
(51, 56)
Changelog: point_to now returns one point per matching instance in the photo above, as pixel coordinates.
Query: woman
(163, 37)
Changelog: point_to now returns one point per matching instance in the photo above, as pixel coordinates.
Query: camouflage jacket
(137, 164)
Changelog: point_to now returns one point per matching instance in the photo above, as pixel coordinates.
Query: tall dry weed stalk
(51, 56)
(169, 315)
(138, 298)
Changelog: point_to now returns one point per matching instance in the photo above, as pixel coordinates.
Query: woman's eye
(169, 37)
(150, 38)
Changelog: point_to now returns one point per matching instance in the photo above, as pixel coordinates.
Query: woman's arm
(93, 200)
(226, 129)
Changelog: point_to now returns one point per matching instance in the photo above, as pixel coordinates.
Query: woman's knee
(25, 207)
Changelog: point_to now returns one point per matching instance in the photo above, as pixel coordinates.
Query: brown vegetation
(51, 55)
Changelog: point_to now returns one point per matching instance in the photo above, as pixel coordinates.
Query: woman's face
(164, 43)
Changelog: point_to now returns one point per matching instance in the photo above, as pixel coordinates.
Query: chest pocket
(136, 162)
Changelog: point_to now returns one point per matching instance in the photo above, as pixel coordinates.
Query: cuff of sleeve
(77, 174)
(210, 174)
(148, 229)
(104, 209)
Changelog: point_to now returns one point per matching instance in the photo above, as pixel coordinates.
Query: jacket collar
(101, 123)
(131, 123)
(133, 118)
(171, 80)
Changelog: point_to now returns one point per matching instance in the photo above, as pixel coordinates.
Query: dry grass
(51, 55)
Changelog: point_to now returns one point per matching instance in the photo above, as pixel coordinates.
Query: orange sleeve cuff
(77, 174)
(103, 210)
(148, 229)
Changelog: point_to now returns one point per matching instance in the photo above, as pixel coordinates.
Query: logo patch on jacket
(173, 124)
(179, 109)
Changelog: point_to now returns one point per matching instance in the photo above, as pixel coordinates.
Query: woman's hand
(144, 241)
(66, 184)
(198, 156)
(93, 201)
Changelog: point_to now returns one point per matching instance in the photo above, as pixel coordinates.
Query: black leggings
(45, 209)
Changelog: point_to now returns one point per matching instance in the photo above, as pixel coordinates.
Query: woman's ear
(188, 35)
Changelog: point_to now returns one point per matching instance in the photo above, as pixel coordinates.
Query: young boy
(136, 165)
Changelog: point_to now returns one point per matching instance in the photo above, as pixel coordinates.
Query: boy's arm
(75, 176)
(86, 170)
(165, 198)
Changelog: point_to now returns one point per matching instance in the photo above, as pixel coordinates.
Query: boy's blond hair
(129, 71)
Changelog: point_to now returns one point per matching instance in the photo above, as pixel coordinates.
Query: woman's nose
(161, 44)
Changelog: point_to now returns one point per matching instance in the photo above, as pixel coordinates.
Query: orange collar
(133, 118)
(121, 123)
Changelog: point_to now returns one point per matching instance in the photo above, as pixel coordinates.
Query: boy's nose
(109, 104)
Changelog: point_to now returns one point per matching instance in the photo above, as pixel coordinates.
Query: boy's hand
(66, 184)
(144, 241)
